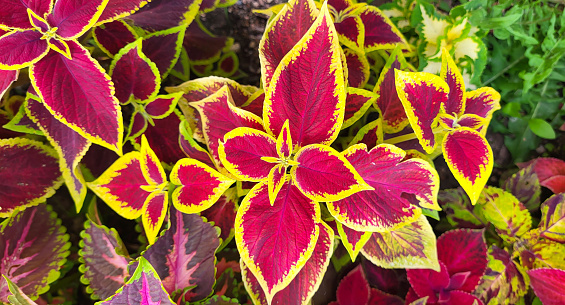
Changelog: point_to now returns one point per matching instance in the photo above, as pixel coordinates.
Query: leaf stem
(510, 66)
(410, 136)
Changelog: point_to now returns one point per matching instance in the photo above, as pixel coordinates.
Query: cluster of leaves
(525, 63)
(333, 151)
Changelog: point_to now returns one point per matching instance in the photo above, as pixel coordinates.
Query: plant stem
(510, 66)
(410, 136)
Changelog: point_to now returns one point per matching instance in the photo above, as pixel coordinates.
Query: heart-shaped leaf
(470, 159)
(66, 85)
(70, 146)
(33, 247)
(278, 39)
(29, 172)
(143, 287)
(314, 102)
(412, 246)
(200, 185)
(104, 260)
(184, 256)
(398, 188)
(304, 285)
(323, 174)
(275, 241)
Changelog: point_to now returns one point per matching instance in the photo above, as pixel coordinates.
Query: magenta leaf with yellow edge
(552, 224)
(277, 40)
(323, 174)
(134, 186)
(222, 214)
(219, 116)
(29, 174)
(421, 94)
(80, 83)
(307, 281)
(308, 87)
(358, 68)
(370, 134)
(17, 297)
(549, 285)
(7, 77)
(200, 186)
(504, 279)
(471, 121)
(352, 240)
(255, 103)
(134, 75)
(190, 147)
(242, 151)
(399, 189)
(14, 13)
(199, 89)
(202, 47)
(380, 32)
(33, 248)
(455, 103)
(70, 146)
(482, 102)
(72, 18)
(143, 287)
(183, 256)
(388, 102)
(21, 49)
(20, 122)
(162, 14)
(102, 253)
(116, 9)
(111, 37)
(411, 246)
(508, 215)
(163, 48)
(275, 241)
(350, 29)
(470, 159)
(357, 103)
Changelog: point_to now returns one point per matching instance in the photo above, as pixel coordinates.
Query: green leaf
(541, 128)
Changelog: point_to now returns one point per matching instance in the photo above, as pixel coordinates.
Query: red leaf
(113, 36)
(549, 285)
(72, 18)
(21, 49)
(353, 288)
(551, 173)
(380, 32)
(163, 48)
(165, 14)
(7, 77)
(14, 12)
(357, 68)
(116, 9)
(67, 85)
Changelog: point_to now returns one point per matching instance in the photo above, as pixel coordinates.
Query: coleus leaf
(222, 214)
(29, 173)
(455, 103)
(15, 15)
(398, 189)
(219, 115)
(354, 288)
(357, 103)
(508, 215)
(134, 186)
(21, 122)
(104, 260)
(421, 94)
(202, 47)
(184, 256)
(358, 68)
(482, 102)
(463, 251)
(70, 146)
(313, 102)
(242, 151)
(470, 159)
(74, 18)
(143, 287)
(525, 186)
(163, 48)
(275, 241)
(21, 49)
(548, 284)
(370, 134)
(380, 32)
(33, 247)
(411, 246)
(80, 83)
(134, 75)
(307, 281)
(283, 33)
(352, 240)
(540, 253)
(551, 173)
(7, 77)
(200, 185)
(426, 282)
(504, 279)
(116, 9)
(111, 37)
(161, 15)
(460, 212)
(190, 147)
(255, 103)
(323, 174)
(18, 297)
(552, 224)
(350, 30)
